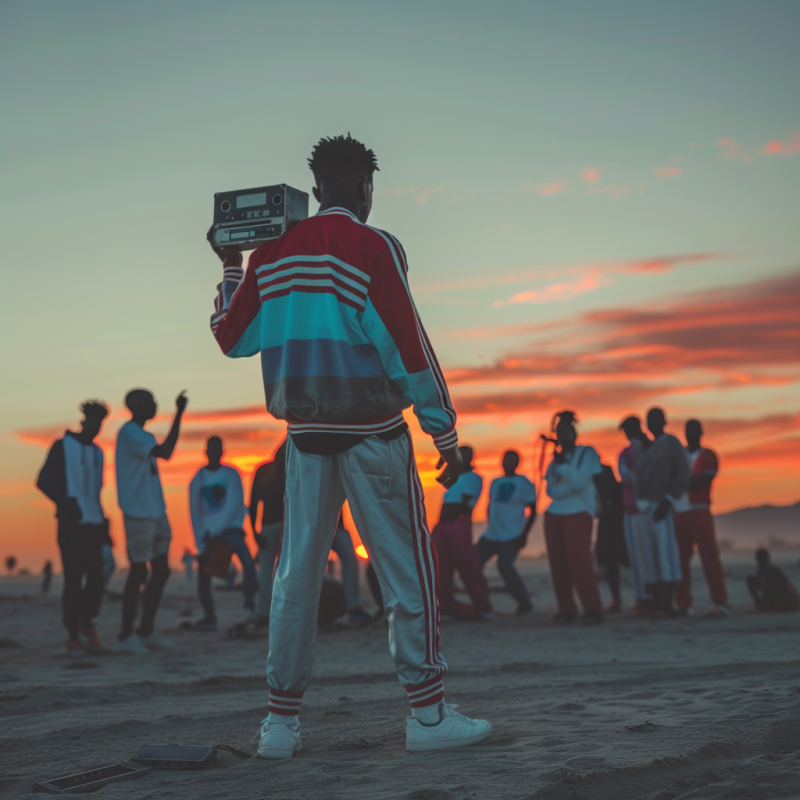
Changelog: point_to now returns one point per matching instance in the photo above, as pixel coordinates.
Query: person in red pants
(694, 527)
(568, 523)
(455, 550)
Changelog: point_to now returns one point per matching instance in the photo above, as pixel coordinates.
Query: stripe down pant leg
(314, 498)
(385, 494)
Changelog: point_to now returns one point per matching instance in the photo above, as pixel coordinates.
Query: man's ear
(317, 195)
(363, 190)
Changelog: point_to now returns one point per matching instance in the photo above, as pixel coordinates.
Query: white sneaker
(454, 730)
(132, 645)
(155, 642)
(279, 740)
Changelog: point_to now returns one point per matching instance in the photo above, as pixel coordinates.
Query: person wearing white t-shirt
(455, 550)
(568, 523)
(510, 497)
(216, 506)
(147, 531)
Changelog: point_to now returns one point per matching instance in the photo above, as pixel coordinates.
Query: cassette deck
(246, 218)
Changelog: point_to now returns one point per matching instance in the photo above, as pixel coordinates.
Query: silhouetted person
(568, 523)
(72, 477)
(694, 526)
(47, 576)
(638, 554)
(188, 559)
(662, 476)
(610, 550)
(343, 353)
(147, 530)
(268, 490)
(11, 564)
(216, 506)
(455, 550)
(342, 545)
(507, 532)
(770, 587)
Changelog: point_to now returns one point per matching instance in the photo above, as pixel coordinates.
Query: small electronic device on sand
(247, 218)
(170, 756)
(90, 780)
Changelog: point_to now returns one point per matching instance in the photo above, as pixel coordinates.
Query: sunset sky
(599, 202)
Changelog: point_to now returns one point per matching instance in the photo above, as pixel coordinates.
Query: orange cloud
(669, 172)
(602, 360)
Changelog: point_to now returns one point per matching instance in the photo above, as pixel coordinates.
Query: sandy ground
(689, 708)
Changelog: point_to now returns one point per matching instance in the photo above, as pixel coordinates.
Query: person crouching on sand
(568, 523)
(72, 477)
(343, 352)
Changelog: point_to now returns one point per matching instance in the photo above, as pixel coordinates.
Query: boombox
(250, 217)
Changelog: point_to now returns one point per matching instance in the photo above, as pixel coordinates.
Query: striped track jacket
(342, 346)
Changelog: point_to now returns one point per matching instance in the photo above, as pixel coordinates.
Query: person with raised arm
(147, 530)
(343, 352)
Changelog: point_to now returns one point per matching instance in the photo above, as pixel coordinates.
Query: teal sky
(521, 145)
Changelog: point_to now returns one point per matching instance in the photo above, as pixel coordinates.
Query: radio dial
(276, 199)
(225, 207)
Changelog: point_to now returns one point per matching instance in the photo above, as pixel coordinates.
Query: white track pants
(381, 483)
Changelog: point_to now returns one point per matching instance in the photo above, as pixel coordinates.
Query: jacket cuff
(232, 273)
(445, 439)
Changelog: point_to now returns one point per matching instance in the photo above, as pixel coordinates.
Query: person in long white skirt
(662, 476)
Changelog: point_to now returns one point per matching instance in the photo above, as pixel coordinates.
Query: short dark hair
(340, 157)
(631, 425)
(135, 395)
(94, 408)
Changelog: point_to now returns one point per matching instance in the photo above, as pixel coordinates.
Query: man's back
(342, 348)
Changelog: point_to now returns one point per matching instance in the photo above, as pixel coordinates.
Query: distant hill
(775, 527)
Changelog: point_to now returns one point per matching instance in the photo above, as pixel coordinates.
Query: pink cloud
(545, 189)
(776, 147)
(425, 194)
(565, 290)
(732, 149)
(612, 191)
(591, 175)
(669, 172)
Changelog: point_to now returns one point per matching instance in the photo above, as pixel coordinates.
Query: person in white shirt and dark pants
(509, 498)
(568, 524)
(216, 504)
